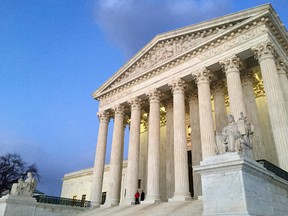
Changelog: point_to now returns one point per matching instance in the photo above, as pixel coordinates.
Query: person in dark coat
(142, 197)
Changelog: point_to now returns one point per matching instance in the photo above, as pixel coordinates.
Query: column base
(180, 197)
(128, 201)
(111, 203)
(95, 204)
(151, 199)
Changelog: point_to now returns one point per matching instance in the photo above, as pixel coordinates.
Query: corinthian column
(170, 174)
(195, 141)
(133, 152)
(153, 189)
(253, 116)
(282, 70)
(116, 158)
(219, 106)
(202, 79)
(180, 145)
(98, 170)
(231, 68)
(264, 52)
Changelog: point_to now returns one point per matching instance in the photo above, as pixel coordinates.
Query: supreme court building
(175, 94)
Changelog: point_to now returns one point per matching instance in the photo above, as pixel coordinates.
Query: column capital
(126, 121)
(104, 116)
(264, 50)
(135, 103)
(247, 77)
(178, 86)
(218, 86)
(118, 110)
(168, 103)
(193, 95)
(155, 96)
(282, 66)
(202, 76)
(231, 64)
(144, 122)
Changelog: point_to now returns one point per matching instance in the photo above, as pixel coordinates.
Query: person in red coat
(137, 195)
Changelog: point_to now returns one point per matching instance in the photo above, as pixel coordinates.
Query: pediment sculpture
(24, 188)
(236, 137)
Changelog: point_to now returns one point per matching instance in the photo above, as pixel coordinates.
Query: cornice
(214, 41)
(202, 26)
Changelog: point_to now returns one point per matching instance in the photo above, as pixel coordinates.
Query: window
(139, 183)
(83, 197)
(83, 200)
(103, 198)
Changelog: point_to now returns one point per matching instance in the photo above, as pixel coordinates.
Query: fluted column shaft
(195, 141)
(282, 70)
(264, 52)
(170, 174)
(116, 158)
(153, 191)
(133, 152)
(219, 106)
(231, 68)
(253, 116)
(180, 144)
(205, 113)
(99, 164)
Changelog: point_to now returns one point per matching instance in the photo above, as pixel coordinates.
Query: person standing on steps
(142, 196)
(137, 195)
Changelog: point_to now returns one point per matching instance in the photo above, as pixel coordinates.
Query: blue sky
(55, 53)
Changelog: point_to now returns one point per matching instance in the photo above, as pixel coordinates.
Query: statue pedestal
(17, 205)
(237, 185)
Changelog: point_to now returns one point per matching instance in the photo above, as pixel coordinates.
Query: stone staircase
(191, 208)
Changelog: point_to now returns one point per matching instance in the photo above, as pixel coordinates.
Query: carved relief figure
(24, 188)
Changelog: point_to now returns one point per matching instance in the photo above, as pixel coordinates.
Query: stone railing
(275, 169)
(62, 201)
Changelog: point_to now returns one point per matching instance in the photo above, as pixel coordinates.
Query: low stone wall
(235, 185)
(27, 206)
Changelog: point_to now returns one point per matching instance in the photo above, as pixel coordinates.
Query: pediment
(168, 46)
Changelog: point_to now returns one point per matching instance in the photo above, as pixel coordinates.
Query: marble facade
(193, 77)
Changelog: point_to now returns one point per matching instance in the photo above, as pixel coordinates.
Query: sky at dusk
(55, 53)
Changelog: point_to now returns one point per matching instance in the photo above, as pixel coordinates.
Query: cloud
(130, 24)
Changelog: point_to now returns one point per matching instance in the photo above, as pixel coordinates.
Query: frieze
(232, 42)
(167, 49)
(114, 97)
(199, 54)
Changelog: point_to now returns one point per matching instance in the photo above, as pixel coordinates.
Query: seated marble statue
(236, 137)
(246, 131)
(24, 188)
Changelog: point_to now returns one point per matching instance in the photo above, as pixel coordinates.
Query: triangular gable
(167, 46)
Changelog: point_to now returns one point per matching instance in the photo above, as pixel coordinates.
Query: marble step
(191, 208)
